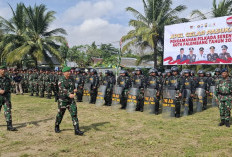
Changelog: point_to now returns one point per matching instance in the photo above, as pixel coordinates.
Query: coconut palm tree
(34, 38)
(148, 29)
(224, 8)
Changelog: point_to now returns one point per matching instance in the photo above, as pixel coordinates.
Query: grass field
(110, 132)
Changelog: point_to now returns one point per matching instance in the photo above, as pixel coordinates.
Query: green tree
(28, 35)
(148, 29)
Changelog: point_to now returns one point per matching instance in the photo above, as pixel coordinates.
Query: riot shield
(116, 96)
(169, 103)
(200, 94)
(149, 100)
(185, 104)
(101, 95)
(132, 99)
(212, 96)
(86, 92)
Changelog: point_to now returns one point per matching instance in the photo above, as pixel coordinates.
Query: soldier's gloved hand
(2, 91)
(71, 96)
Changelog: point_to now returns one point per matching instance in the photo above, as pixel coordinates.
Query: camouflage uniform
(224, 95)
(41, 84)
(48, 85)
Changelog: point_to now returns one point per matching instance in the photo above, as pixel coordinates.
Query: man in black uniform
(79, 84)
(139, 82)
(201, 82)
(108, 82)
(124, 82)
(187, 83)
(212, 56)
(153, 82)
(94, 81)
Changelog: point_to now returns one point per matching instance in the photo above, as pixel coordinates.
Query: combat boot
(227, 123)
(77, 130)
(222, 123)
(57, 129)
(10, 127)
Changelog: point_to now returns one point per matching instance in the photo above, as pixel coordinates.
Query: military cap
(224, 47)
(212, 47)
(66, 69)
(201, 48)
(2, 67)
(191, 49)
(224, 70)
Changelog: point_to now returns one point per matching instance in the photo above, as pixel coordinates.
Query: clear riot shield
(200, 94)
(86, 92)
(212, 96)
(116, 96)
(186, 100)
(169, 103)
(101, 95)
(149, 100)
(132, 99)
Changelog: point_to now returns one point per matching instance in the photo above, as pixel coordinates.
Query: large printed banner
(201, 42)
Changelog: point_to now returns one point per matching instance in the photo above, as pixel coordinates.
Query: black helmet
(168, 71)
(107, 72)
(208, 73)
(186, 71)
(217, 70)
(122, 71)
(175, 68)
(93, 70)
(201, 72)
(78, 70)
(153, 71)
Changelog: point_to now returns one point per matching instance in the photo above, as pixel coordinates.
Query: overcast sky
(103, 21)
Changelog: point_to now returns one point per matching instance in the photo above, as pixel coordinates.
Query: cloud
(87, 9)
(98, 30)
(5, 11)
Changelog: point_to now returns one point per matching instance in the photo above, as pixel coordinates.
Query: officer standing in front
(224, 96)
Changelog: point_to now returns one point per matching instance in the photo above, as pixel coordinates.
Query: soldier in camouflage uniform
(35, 82)
(224, 96)
(48, 84)
(5, 94)
(124, 82)
(66, 101)
(31, 83)
(41, 83)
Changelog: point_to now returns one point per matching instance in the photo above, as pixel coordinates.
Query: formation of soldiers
(181, 93)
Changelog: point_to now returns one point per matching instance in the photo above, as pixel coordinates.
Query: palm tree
(35, 40)
(224, 8)
(148, 29)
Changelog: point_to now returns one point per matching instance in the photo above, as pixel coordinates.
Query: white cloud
(5, 11)
(87, 9)
(98, 30)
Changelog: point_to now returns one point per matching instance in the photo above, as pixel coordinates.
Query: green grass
(110, 132)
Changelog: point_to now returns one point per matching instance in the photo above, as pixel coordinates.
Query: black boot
(57, 129)
(222, 123)
(77, 130)
(31, 94)
(10, 127)
(227, 123)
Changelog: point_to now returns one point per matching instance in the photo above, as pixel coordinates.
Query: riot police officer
(94, 81)
(139, 82)
(153, 82)
(124, 82)
(109, 82)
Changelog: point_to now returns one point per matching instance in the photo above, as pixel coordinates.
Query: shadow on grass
(93, 126)
(36, 123)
